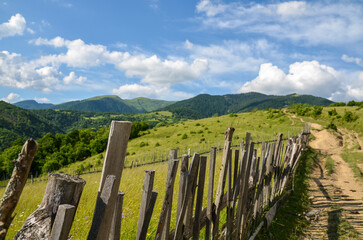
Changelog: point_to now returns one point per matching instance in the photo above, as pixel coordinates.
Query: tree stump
(61, 189)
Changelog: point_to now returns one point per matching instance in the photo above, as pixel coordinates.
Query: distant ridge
(32, 104)
(205, 105)
(107, 103)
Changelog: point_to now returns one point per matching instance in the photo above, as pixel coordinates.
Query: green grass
(354, 159)
(338, 226)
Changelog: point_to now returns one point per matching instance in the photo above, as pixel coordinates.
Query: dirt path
(336, 199)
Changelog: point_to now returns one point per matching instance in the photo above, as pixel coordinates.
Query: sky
(54, 51)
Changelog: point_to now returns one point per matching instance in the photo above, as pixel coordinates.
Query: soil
(336, 199)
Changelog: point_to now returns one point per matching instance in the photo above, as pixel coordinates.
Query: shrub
(185, 136)
(333, 112)
(157, 144)
(143, 144)
(349, 116)
(332, 126)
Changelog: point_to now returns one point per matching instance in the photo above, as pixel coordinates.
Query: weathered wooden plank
(235, 168)
(144, 206)
(101, 205)
(182, 183)
(148, 214)
(16, 185)
(229, 196)
(188, 198)
(113, 165)
(199, 201)
(63, 222)
(61, 189)
(117, 217)
(164, 222)
(223, 174)
(212, 166)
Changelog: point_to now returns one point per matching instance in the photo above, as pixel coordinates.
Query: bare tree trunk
(16, 185)
(61, 189)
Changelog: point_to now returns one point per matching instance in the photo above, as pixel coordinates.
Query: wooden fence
(250, 181)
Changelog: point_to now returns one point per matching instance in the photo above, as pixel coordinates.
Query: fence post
(182, 183)
(222, 177)
(212, 166)
(16, 185)
(113, 165)
(199, 201)
(145, 205)
(63, 222)
(117, 217)
(162, 231)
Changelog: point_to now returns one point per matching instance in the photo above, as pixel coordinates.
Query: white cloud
(15, 26)
(355, 60)
(72, 78)
(303, 78)
(130, 91)
(150, 69)
(18, 73)
(12, 97)
(310, 23)
(42, 100)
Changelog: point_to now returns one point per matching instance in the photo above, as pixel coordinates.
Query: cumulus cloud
(303, 77)
(355, 60)
(134, 90)
(72, 78)
(150, 69)
(12, 97)
(15, 26)
(301, 21)
(16, 72)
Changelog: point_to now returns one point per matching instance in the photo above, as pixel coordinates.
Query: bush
(51, 166)
(332, 126)
(349, 116)
(333, 112)
(143, 144)
(185, 136)
(157, 144)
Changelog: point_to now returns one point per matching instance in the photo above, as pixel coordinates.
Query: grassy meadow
(198, 135)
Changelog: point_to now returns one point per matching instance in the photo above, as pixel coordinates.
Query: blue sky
(57, 51)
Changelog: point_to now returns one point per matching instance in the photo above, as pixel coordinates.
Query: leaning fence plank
(117, 217)
(113, 165)
(182, 183)
(188, 197)
(223, 174)
(199, 201)
(145, 201)
(16, 185)
(164, 222)
(212, 166)
(229, 196)
(101, 206)
(63, 222)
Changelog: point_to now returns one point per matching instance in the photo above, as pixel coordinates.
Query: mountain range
(203, 105)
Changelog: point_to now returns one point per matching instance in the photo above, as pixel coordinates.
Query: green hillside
(146, 104)
(98, 104)
(205, 105)
(32, 104)
(17, 123)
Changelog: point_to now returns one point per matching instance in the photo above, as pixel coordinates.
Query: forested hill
(16, 122)
(108, 103)
(98, 104)
(205, 105)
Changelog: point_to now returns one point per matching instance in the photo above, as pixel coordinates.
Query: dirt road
(337, 198)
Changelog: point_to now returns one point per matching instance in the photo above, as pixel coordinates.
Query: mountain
(146, 104)
(206, 105)
(16, 122)
(107, 103)
(32, 104)
(98, 104)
